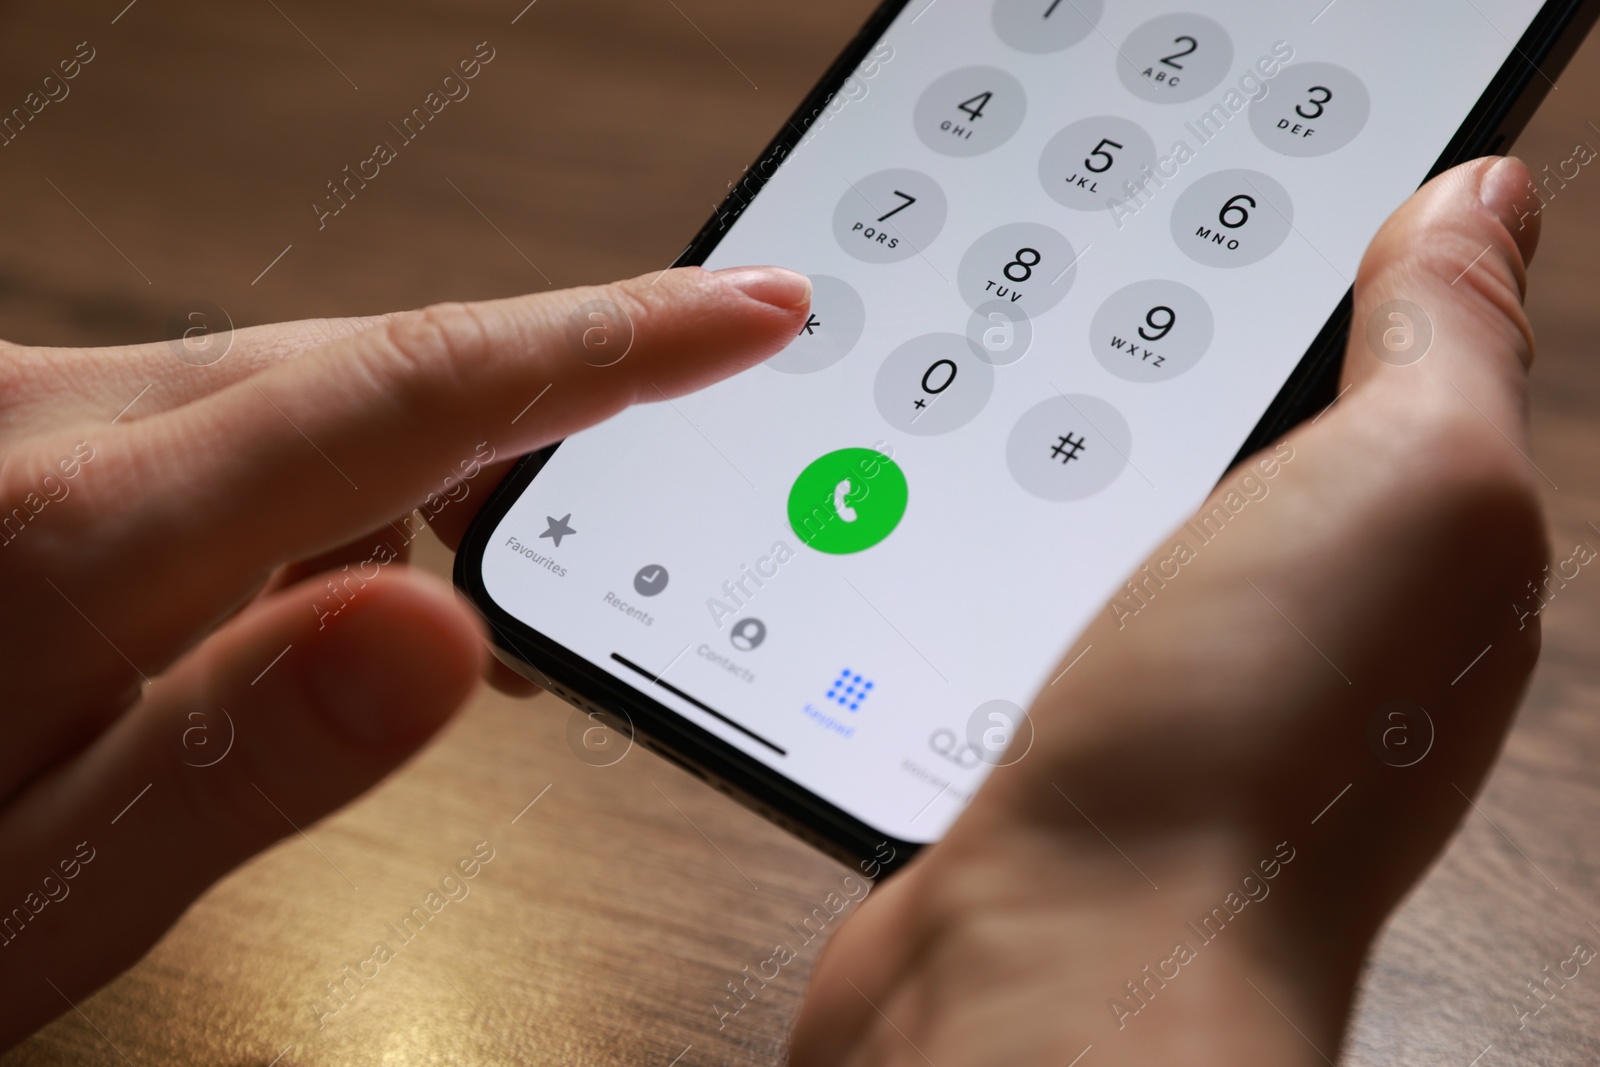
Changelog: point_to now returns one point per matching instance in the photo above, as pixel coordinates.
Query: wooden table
(184, 164)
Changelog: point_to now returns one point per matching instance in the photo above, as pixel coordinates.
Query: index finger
(316, 451)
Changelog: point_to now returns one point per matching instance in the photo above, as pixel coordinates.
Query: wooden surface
(619, 904)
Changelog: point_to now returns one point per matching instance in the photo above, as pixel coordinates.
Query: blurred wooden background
(185, 161)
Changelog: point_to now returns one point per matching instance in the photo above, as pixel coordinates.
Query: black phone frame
(1500, 114)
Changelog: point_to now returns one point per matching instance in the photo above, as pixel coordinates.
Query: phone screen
(1064, 254)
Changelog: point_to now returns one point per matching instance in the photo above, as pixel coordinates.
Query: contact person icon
(748, 634)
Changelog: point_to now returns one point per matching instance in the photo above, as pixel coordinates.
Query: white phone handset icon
(840, 491)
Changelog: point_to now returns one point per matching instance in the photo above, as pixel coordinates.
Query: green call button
(847, 501)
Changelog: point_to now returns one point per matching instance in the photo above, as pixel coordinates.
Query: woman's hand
(1245, 727)
(210, 638)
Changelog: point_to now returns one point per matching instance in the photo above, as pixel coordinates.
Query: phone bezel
(1494, 121)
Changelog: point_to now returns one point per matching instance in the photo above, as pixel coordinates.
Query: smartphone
(1071, 260)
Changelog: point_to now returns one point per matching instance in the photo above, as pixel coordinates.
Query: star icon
(558, 528)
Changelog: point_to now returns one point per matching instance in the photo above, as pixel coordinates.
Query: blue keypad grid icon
(849, 689)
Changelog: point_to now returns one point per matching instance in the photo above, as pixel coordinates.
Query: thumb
(266, 727)
(1438, 313)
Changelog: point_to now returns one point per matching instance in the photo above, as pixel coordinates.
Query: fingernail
(770, 285)
(1507, 190)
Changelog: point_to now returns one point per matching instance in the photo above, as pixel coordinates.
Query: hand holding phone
(1224, 799)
